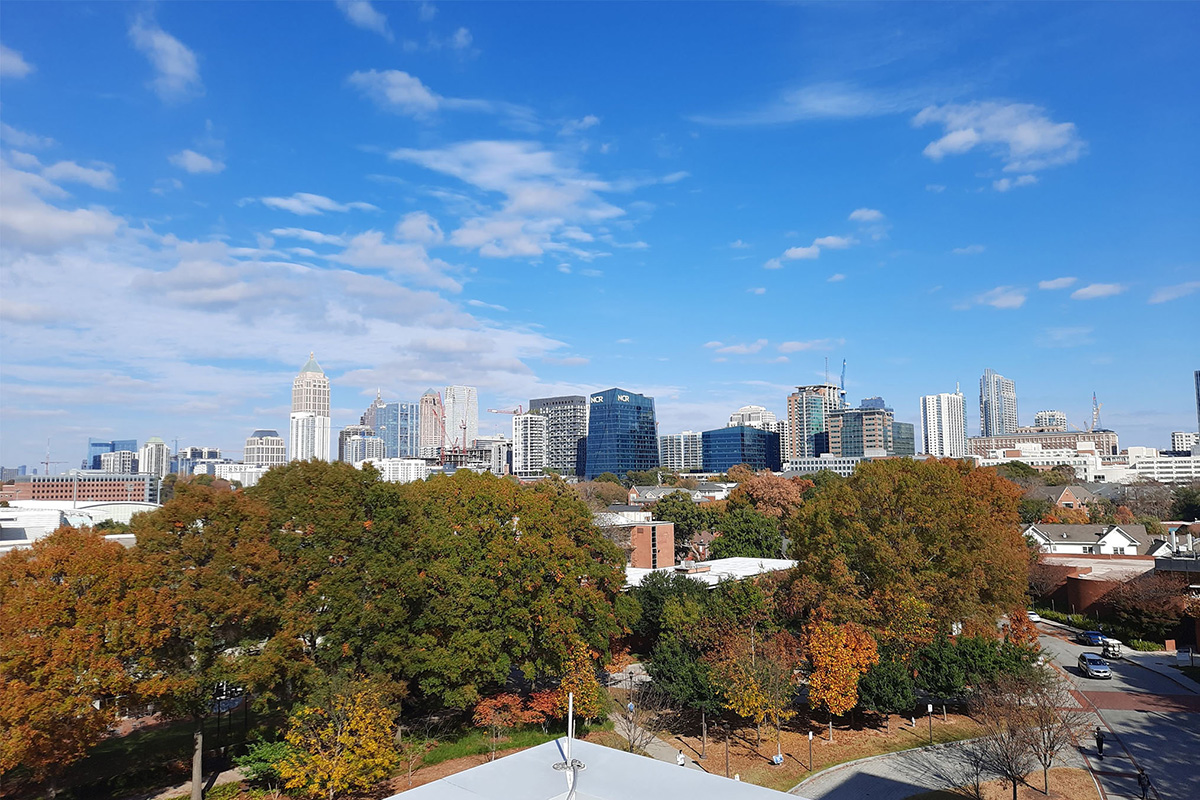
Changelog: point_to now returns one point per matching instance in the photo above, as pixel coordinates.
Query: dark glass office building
(904, 439)
(97, 447)
(398, 425)
(754, 447)
(622, 433)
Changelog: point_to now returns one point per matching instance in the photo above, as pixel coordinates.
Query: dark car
(1093, 638)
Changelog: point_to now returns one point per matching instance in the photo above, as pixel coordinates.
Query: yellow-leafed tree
(343, 749)
(580, 679)
(839, 655)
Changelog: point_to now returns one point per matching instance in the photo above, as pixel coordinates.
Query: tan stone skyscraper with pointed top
(310, 413)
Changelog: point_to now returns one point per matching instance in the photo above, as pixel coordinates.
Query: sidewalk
(185, 789)
(1160, 661)
(656, 747)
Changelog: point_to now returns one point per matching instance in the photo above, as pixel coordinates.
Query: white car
(1033, 616)
(1093, 666)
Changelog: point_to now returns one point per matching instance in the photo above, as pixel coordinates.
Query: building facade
(752, 416)
(432, 424)
(359, 443)
(402, 470)
(97, 447)
(529, 445)
(119, 462)
(944, 425)
(88, 486)
(1105, 442)
(399, 426)
(462, 415)
(807, 412)
(904, 439)
(1184, 440)
(856, 432)
(154, 457)
(1050, 420)
(725, 447)
(681, 452)
(622, 433)
(309, 434)
(264, 448)
(566, 431)
(997, 405)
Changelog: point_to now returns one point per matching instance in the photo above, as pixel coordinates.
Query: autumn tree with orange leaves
(838, 655)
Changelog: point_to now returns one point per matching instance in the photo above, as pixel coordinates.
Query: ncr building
(622, 433)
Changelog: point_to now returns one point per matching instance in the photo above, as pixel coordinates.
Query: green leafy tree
(1033, 510)
(210, 552)
(608, 477)
(747, 533)
(260, 763)
(1185, 503)
(655, 591)
(939, 669)
(887, 688)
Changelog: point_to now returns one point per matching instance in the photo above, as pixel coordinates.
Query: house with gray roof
(1127, 540)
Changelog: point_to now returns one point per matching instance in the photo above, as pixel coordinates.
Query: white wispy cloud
(29, 221)
(362, 14)
(12, 64)
(1168, 293)
(1071, 336)
(811, 344)
(675, 177)
(866, 215)
(833, 242)
(98, 177)
(401, 93)
(1004, 184)
(1020, 134)
(573, 126)
(794, 253)
(936, 188)
(196, 163)
(1056, 283)
(305, 204)
(821, 101)
(316, 237)
(19, 138)
(372, 250)
(746, 349)
(757, 290)
(178, 71)
(969, 250)
(1002, 297)
(481, 304)
(1094, 291)
(419, 226)
(834, 278)
(740, 245)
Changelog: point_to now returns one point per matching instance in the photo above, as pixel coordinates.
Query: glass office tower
(622, 433)
(754, 447)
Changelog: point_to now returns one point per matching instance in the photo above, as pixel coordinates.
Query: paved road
(1152, 721)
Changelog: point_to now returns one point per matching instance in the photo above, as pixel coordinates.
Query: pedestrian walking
(1143, 782)
(680, 759)
(1099, 742)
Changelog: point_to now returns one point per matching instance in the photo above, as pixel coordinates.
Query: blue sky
(700, 202)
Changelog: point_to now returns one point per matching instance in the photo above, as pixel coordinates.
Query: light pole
(810, 761)
(930, 710)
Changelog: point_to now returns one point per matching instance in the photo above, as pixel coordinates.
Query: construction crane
(514, 411)
(843, 376)
(1095, 412)
(47, 462)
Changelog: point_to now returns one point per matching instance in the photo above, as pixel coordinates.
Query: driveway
(1151, 721)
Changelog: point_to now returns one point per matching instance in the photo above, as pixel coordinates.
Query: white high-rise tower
(462, 415)
(310, 413)
(997, 405)
(944, 424)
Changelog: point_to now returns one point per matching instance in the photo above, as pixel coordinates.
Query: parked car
(1033, 616)
(1093, 638)
(1093, 666)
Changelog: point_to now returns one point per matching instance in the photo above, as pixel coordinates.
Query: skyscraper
(622, 433)
(309, 434)
(155, 457)
(944, 425)
(997, 405)
(96, 448)
(462, 415)
(264, 448)
(681, 452)
(754, 416)
(432, 424)
(809, 408)
(854, 431)
(399, 425)
(358, 443)
(566, 431)
(528, 445)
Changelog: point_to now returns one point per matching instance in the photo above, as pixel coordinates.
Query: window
(1088, 549)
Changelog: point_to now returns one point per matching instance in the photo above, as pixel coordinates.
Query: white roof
(720, 569)
(608, 775)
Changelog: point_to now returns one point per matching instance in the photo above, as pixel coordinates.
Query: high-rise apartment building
(997, 405)
(462, 416)
(1050, 420)
(784, 429)
(809, 408)
(432, 424)
(119, 462)
(944, 424)
(566, 431)
(529, 445)
(264, 448)
(622, 433)
(681, 452)
(855, 431)
(358, 443)
(154, 457)
(1184, 441)
(310, 431)
(753, 416)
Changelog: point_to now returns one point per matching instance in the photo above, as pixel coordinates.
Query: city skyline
(473, 205)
